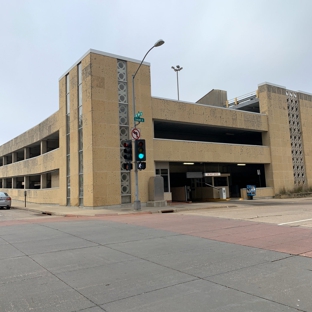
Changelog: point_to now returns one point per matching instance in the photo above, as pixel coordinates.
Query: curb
(73, 215)
(197, 208)
(128, 213)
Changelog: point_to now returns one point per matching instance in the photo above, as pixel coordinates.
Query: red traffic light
(128, 144)
(127, 166)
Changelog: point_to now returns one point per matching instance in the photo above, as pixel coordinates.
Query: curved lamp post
(137, 203)
(177, 69)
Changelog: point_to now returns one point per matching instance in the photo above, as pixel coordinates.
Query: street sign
(139, 119)
(135, 133)
(212, 174)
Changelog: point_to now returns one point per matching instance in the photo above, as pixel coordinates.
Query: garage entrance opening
(203, 181)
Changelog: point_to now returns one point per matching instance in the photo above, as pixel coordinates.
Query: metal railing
(241, 99)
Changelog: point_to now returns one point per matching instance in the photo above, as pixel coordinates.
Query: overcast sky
(232, 45)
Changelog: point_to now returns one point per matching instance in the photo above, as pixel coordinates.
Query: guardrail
(242, 99)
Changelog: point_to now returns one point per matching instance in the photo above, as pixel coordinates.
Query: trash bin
(222, 193)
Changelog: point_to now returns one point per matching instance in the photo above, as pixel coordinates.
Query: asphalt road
(153, 262)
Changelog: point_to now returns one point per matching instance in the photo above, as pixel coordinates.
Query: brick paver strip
(286, 239)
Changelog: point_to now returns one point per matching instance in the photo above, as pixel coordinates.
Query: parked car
(5, 200)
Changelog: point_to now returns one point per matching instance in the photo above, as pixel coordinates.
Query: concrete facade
(74, 157)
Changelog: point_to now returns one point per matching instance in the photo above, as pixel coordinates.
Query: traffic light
(127, 153)
(140, 150)
(127, 166)
(141, 165)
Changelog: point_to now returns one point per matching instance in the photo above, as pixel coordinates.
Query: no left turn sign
(135, 133)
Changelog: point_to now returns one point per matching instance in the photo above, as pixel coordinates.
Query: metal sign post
(259, 174)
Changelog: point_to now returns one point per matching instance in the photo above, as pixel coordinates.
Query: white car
(5, 200)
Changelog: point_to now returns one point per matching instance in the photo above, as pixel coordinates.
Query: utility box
(222, 193)
(156, 188)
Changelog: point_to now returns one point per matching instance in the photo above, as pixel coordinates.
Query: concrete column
(26, 182)
(43, 181)
(14, 157)
(4, 160)
(43, 146)
(273, 102)
(26, 152)
(4, 183)
(14, 183)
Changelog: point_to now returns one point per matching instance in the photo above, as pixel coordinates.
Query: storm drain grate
(46, 213)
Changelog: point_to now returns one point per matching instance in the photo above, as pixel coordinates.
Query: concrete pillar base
(156, 203)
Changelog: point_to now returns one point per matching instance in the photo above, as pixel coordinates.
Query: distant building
(75, 156)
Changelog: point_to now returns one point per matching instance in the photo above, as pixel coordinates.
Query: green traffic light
(140, 151)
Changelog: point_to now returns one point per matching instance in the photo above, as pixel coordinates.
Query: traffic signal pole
(137, 203)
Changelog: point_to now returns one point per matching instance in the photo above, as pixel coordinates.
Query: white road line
(295, 221)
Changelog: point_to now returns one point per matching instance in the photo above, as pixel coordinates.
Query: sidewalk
(70, 211)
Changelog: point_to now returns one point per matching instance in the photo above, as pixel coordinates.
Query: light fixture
(188, 163)
(241, 164)
(159, 43)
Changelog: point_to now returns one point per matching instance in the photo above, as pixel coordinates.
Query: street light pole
(177, 69)
(137, 203)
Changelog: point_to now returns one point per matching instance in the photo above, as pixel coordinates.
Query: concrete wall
(36, 165)
(163, 109)
(101, 138)
(102, 172)
(45, 196)
(102, 185)
(181, 151)
(305, 101)
(261, 192)
(62, 148)
(35, 134)
(55, 179)
(273, 103)
(215, 98)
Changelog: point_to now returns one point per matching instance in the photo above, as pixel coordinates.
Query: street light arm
(157, 44)
(133, 76)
